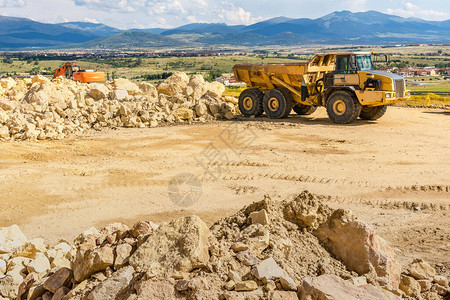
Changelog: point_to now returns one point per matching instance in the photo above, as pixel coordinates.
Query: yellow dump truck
(345, 83)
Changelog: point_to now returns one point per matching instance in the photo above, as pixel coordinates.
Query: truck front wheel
(250, 103)
(304, 110)
(343, 107)
(372, 113)
(277, 103)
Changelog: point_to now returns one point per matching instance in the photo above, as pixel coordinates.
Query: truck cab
(355, 75)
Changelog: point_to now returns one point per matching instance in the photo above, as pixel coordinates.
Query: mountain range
(342, 27)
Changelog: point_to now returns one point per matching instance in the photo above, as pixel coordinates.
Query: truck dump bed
(269, 76)
(258, 75)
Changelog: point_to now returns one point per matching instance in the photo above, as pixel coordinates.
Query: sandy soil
(393, 173)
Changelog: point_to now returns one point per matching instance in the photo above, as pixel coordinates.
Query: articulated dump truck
(345, 83)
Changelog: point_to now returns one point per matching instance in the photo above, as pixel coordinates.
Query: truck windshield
(364, 63)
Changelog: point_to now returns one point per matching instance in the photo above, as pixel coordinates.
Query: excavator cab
(70, 69)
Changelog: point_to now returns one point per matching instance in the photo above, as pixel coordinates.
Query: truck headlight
(388, 95)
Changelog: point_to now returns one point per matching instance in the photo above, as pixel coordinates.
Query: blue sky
(127, 14)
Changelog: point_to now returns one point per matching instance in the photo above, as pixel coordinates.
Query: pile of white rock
(299, 249)
(39, 108)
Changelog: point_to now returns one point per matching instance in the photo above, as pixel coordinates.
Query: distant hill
(364, 27)
(342, 27)
(20, 32)
(130, 40)
(216, 28)
(150, 30)
(260, 26)
(96, 29)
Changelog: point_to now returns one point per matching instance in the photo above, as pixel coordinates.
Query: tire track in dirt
(370, 200)
(323, 180)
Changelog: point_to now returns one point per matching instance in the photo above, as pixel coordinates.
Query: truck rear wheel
(251, 103)
(343, 107)
(304, 110)
(277, 103)
(373, 113)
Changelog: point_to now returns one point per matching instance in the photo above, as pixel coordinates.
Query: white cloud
(355, 5)
(177, 11)
(236, 15)
(409, 9)
(122, 5)
(90, 20)
(12, 3)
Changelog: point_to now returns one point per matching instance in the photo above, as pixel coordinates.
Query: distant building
(229, 81)
(411, 72)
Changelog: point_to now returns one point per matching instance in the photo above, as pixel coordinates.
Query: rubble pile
(299, 249)
(41, 109)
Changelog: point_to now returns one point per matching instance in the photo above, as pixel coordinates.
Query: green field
(429, 84)
(136, 67)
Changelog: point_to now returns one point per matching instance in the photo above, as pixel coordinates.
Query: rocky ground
(299, 249)
(70, 165)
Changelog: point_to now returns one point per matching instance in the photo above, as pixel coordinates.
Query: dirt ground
(393, 173)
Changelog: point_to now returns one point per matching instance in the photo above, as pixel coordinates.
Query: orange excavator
(73, 71)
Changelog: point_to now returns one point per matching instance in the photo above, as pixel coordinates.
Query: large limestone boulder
(39, 264)
(306, 211)
(61, 255)
(98, 91)
(2, 267)
(149, 91)
(9, 287)
(201, 109)
(420, 269)
(7, 83)
(8, 105)
(51, 92)
(331, 287)
(197, 87)
(4, 134)
(155, 290)
(11, 238)
(39, 79)
(410, 286)
(88, 261)
(216, 89)
(119, 95)
(180, 245)
(109, 288)
(31, 248)
(269, 270)
(183, 113)
(127, 85)
(177, 83)
(4, 116)
(360, 248)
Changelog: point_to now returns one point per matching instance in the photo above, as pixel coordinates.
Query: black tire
(304, 110)
(372, 113)
(251, 103)
(277, 103)
(343, 107)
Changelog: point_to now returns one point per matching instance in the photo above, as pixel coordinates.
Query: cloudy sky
(126, 14)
